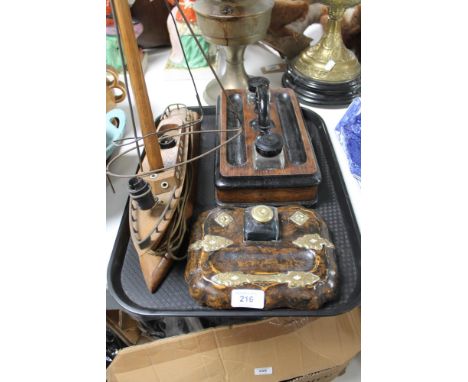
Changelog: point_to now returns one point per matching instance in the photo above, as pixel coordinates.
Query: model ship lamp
(327, 73)
(232, 25)
(160, 192)
(273, 161)
(283, 254)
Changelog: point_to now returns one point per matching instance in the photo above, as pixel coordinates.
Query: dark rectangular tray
(125, 280)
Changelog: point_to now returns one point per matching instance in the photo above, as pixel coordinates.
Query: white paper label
(329, 65)
(273, 68)
(263, 371)
(247, 298)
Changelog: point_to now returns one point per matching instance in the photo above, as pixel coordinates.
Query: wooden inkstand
(272, 160)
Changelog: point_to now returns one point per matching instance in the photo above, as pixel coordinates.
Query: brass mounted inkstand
(327, 73)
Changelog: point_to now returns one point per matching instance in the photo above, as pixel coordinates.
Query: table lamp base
(319, 93)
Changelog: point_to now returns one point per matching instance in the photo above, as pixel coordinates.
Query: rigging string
(172, 136)
(179, 224)
(173, 240)
(158, 171)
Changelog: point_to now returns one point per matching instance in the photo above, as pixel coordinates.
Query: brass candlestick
(232, 24)
(327, 73)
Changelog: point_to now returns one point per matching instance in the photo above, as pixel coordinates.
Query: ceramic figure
(192, 51)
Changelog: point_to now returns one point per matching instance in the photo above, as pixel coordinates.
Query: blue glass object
(349, 135)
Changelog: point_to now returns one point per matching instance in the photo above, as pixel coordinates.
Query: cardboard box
(278, 349)
(123, 326)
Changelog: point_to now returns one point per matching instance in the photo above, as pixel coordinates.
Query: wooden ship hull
(157, 233)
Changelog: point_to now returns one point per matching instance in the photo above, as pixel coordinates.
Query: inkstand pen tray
(125, 280)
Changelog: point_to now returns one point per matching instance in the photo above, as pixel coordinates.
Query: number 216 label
(247, 298)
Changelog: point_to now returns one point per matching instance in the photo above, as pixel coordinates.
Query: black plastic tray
(125, 280)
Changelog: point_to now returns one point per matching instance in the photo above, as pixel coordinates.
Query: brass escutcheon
(292, 278)
(313, 241)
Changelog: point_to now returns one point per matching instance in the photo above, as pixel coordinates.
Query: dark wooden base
(279, 196)
(317, 93)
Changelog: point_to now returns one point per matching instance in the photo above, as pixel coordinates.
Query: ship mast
(137, 79)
